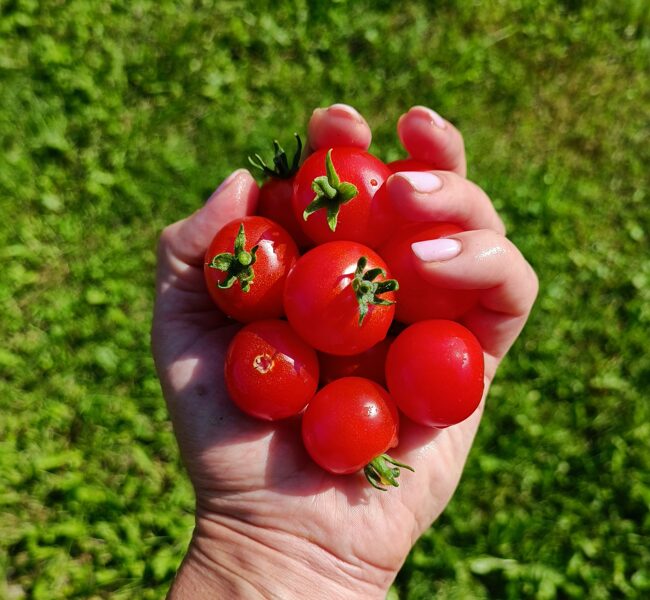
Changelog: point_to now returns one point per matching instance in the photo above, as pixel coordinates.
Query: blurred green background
(117, 118)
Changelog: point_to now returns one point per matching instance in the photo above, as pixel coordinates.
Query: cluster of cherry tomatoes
(335, 312)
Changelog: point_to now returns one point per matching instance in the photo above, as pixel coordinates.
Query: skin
(270, 523)
(417, 299)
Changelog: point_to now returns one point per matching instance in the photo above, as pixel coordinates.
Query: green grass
(117, 118)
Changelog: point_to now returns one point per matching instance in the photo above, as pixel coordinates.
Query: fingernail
(344, 110)
(432, 115)
(437, 250)
(226, 182)
(421, 181)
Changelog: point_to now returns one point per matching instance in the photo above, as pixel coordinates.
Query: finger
(480, 260)
(438, 457)
(443, 196)
(428, 137)
(338, 125)
(483, 260)
(188, 239)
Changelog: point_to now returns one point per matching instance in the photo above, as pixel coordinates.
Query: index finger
(487, 261)
(338, 125)
(429, 138)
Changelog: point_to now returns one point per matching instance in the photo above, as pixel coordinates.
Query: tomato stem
(331, 193)
(383, 471)
(237, 265)
(282, 169)
(367, 290)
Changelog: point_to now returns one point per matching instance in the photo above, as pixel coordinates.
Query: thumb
(236, 197)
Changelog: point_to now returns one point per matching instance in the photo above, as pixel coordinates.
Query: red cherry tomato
(418, 300)
(349, 425)
(275, 203)
(335, 302)
(347, 200)
(246, 266)
(434, 372)
(276, 193)
(408, 164)
(270, 372)
(370, 364)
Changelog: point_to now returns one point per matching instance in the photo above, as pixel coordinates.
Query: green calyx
(331, 194)
(384, 471)
(238, 265)
(282, 169)
(368, 291)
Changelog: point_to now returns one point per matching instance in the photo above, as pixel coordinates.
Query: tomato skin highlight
(275, 202)
(348, 423)
(270, 372)
(322, 307)
(276, 254)
(368, 218)
(370, 364)
(434, 372)
(418, 300)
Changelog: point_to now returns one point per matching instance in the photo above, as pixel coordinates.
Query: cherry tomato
(276, 193)
(274, 202)
(246, 266)
(434, 372)
(349, 425)
(339, 299)
(339, 195)
(370, 364)
(270, 372)
(408, 164)
(417, 300)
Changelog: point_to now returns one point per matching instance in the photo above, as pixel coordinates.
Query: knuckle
(529, 281)
(165, 240)
(533, 280)
(498, 240)
(460, 138)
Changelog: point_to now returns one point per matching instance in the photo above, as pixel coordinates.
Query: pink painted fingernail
(344, 110)
(421, 181)
(437, 250)
(432, 115)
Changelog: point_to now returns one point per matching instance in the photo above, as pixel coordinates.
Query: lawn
(117, 118)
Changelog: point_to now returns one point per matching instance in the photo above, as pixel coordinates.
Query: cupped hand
(269, 522)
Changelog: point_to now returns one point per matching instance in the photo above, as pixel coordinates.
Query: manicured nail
(421, 181)
(432, 115)
(437, 250)
(344, 110)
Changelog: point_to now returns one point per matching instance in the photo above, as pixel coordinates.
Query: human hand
(269, 522)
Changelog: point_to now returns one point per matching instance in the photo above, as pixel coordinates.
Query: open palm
(268, 519)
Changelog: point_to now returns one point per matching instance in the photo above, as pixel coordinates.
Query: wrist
(226, 561)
